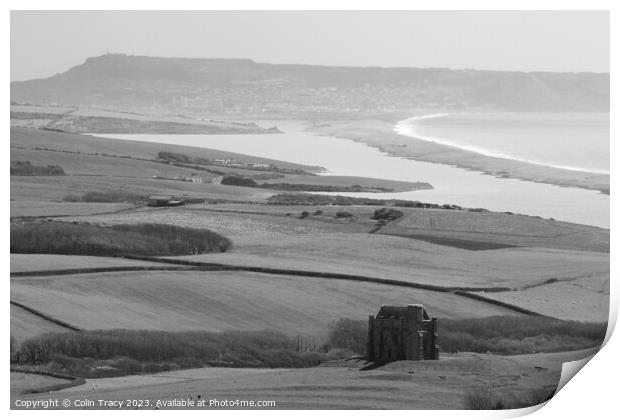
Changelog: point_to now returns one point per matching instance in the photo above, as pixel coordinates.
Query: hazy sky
(45, 43)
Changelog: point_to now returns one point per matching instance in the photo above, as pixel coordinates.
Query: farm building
(164, 201)
(402, 333)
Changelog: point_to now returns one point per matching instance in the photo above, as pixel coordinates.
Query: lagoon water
(451, 185)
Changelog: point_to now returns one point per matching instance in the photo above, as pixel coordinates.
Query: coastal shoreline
(381, 135)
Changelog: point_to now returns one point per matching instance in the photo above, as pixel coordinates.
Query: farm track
(184, 265)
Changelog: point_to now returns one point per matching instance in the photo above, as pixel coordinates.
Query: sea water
(575, 141)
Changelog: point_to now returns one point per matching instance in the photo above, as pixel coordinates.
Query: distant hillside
(239, 86)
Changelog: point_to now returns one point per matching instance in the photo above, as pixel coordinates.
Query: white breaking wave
(407, 128)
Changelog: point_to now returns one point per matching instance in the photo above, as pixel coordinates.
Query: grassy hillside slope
(218, 301)
(33, 138)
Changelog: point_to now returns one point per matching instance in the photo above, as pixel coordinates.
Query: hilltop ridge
(242, 86)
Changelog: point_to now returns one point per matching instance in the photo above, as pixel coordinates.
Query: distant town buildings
(285, 98)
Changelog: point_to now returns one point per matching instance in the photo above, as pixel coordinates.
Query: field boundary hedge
(45, 317)
(89, 270)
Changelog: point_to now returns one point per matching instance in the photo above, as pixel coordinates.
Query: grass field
(558, 269)
(417, 261)
(82, 164)
(535, 232)
(501, 228)
(242, 226)
(266, 236)
(42, 109)
(51, 209)
(439, 384)
(44, 262)
(30, 139)
(44, 189)
(580, 299)
(96, 164)
(21, 382)
(25, 325)
(216, 301)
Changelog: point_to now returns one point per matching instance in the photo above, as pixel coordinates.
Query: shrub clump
(239, 181)
(348, 334)
(25, 168)
(138, 239)
(491, 399)
(387, 214)
(303, 199)
(106, 197)
(98, 353)
(504, 335)
(518, 334)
